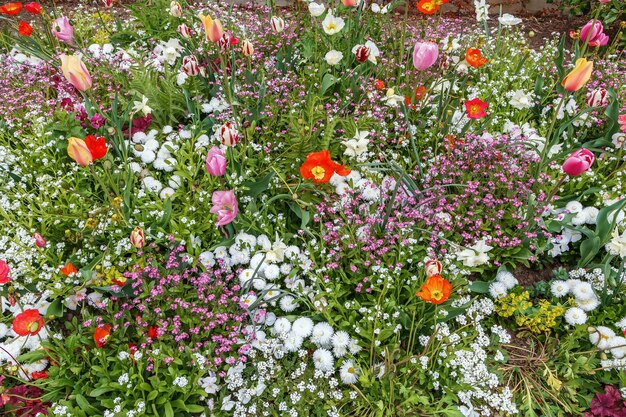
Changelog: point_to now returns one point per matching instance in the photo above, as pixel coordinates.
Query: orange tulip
(579, 76)
(436, 290)
(77, 150)
(75, 72)
(212, 28)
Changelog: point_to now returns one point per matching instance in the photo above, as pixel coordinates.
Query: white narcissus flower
(332, 24)
(377, 9)
(509, 20)
(392, 99)
(316, 9)
(475, 255)
(142, 106)
(333, 57)
(617, 245)
(357, 145)
(482, 10)
(521, 100)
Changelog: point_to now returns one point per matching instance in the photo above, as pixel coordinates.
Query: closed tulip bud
(175, 9)
(362, 53)
(247, 48)
(75, 72)
(107, 3)
(425, 54)
(349, 3)
(593, 34)
(62, 30)
(40, 242)
(77, 150)
(212, 28)
(216, 162)
(228, 134)
(432, 267)
(190, 66)
(277, 23)
(578, 162)
(184, 31)
(137, 238)
(579, 76)
(598, 98)
(224, 42)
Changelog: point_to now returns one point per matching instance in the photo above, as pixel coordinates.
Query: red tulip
(97, 146)
(102, 334)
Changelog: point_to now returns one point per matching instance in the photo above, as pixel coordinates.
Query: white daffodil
(332, 24)
(142, 106)
(392, 99)
(357, 145)
(382, 10)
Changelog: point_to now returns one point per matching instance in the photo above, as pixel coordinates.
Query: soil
(529, 277)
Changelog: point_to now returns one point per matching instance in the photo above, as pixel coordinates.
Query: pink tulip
(225, 206)
(62, 30)
(216, 162)
(40, 242)
(75, 72)
(593, 33)
(5, 272)
(349, 3)
(425, 54)
(578, 162)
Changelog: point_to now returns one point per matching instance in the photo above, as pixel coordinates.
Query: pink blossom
(425, 54)
(578, 162)
(621, 119)
(593, 33)
(225, 206)
(62, 30)
(216, 162)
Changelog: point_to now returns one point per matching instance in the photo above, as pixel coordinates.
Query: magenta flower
(593, 33)
(425, 54)
(62, 30)
(224, 206)
(216, 162)
(578, 162)
(40, 242)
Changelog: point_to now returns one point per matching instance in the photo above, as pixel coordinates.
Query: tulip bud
(425, 54)
(107, 3)
(77, 150)
(175, 9)
(40, 242)
(362, 53)
(5, 272)
(228, 135)
(432, 267)
(278, 24)
(593, 34)
(597, 98)
(137, 238)
(184, 31)
(349, 3)
(216, 162)
(224, 42)
(578, 162)
(75, 72)
(62, 30)
(212, 28)
(247, 48)
(190, 66)
(579, 76)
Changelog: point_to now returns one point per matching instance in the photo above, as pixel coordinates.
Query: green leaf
(55, 308)
(588, 250)
(256, 188)
(479, 287)
(169, 412)
(327, 82)
(99, 391)
(85, 406)
(167, 213)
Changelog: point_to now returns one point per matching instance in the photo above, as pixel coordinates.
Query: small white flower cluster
(268, 265)
(354, 181)
(581, 216)
(504, 282)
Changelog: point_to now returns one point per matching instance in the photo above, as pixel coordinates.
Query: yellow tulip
(212, 28)
(75, 72)
(77, 150)
(579, 76)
